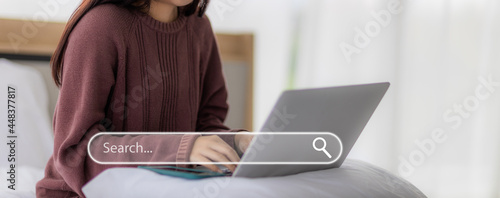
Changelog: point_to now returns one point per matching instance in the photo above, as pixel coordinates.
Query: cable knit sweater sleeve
(87, 79)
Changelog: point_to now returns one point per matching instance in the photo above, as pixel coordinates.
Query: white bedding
(353, 179)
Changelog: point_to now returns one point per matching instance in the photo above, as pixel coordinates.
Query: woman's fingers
(207, 163)
(228, 151)
(216, 156)
(209, 149)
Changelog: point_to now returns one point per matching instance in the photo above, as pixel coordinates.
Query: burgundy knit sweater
(125, 71)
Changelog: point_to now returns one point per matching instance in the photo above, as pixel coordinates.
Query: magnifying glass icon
(322, 148)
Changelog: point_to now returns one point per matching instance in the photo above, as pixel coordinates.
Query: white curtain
(438, 126)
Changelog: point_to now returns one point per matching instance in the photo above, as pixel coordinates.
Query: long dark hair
(58, 56)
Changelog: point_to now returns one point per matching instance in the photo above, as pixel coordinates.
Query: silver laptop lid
(343, 110)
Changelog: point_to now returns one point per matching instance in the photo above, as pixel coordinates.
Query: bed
(27, 67)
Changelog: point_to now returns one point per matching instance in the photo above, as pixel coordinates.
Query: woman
(137, 65)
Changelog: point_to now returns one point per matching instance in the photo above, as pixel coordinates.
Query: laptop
(343, 111)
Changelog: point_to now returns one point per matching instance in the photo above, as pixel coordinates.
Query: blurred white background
(439, 124)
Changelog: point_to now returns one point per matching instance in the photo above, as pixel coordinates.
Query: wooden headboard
(27, 39)
(32, 43)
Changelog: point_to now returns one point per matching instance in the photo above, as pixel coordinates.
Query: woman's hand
(213, 149)
(242, 141)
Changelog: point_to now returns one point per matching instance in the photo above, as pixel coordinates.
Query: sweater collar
(170, 27)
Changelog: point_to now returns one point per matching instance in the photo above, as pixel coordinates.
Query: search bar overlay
(129, 148)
